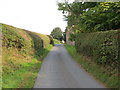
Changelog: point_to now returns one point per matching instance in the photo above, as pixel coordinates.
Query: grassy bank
(29, 67)
(56, 41)
(100, 73)
(22, 55)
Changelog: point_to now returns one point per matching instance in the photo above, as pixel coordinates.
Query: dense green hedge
(23, 40)
(51, 39)
(22, 55)
(12, 39)
(37, 42)
(46, 40)
(102, 47)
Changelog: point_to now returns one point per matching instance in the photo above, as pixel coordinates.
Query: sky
(39, 16)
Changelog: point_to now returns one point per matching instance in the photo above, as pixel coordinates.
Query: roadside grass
(22, 70)
(56, 41)
(20, 78)
(100, 73)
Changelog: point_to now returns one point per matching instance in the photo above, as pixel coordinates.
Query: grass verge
(25, 76)
(100, 73)
(56, 41)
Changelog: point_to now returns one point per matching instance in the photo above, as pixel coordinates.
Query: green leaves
(57, 33)
(102, 47)
(92, 16)
(12, 38)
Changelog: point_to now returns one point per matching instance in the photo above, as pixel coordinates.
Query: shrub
(23, 40)
(37, 42)
(45, 38)
(51, 39)
(102, 47)
(22, 53)
(12, 39)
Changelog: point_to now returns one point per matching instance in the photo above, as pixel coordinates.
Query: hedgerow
(22, 54)
(24, 43)
(102, 47)
(51, 40)
(12, 39)
(23, 40)
(46, 40)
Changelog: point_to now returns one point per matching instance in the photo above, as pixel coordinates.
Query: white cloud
(35, 15)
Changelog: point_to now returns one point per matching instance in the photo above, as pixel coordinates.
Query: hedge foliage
(23, 40)
(12, 38)
(22, 55)
(51, 39)
(102, 47)
(46, 40)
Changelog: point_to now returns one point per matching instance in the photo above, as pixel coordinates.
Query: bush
(23, 40)
(45, 38)
(102, 47)
(51, 39)
(12, 39)
(22, 55)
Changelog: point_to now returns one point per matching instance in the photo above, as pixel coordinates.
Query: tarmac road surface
(59, 70)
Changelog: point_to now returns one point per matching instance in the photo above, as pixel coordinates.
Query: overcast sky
(34, 15)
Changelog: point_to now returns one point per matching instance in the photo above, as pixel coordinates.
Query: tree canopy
(91, 16)
(57, 33)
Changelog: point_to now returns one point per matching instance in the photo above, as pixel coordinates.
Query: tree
(84, 17)
(57, 33)
(91, 16)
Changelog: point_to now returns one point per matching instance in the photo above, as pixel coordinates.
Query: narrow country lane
(59, 70)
